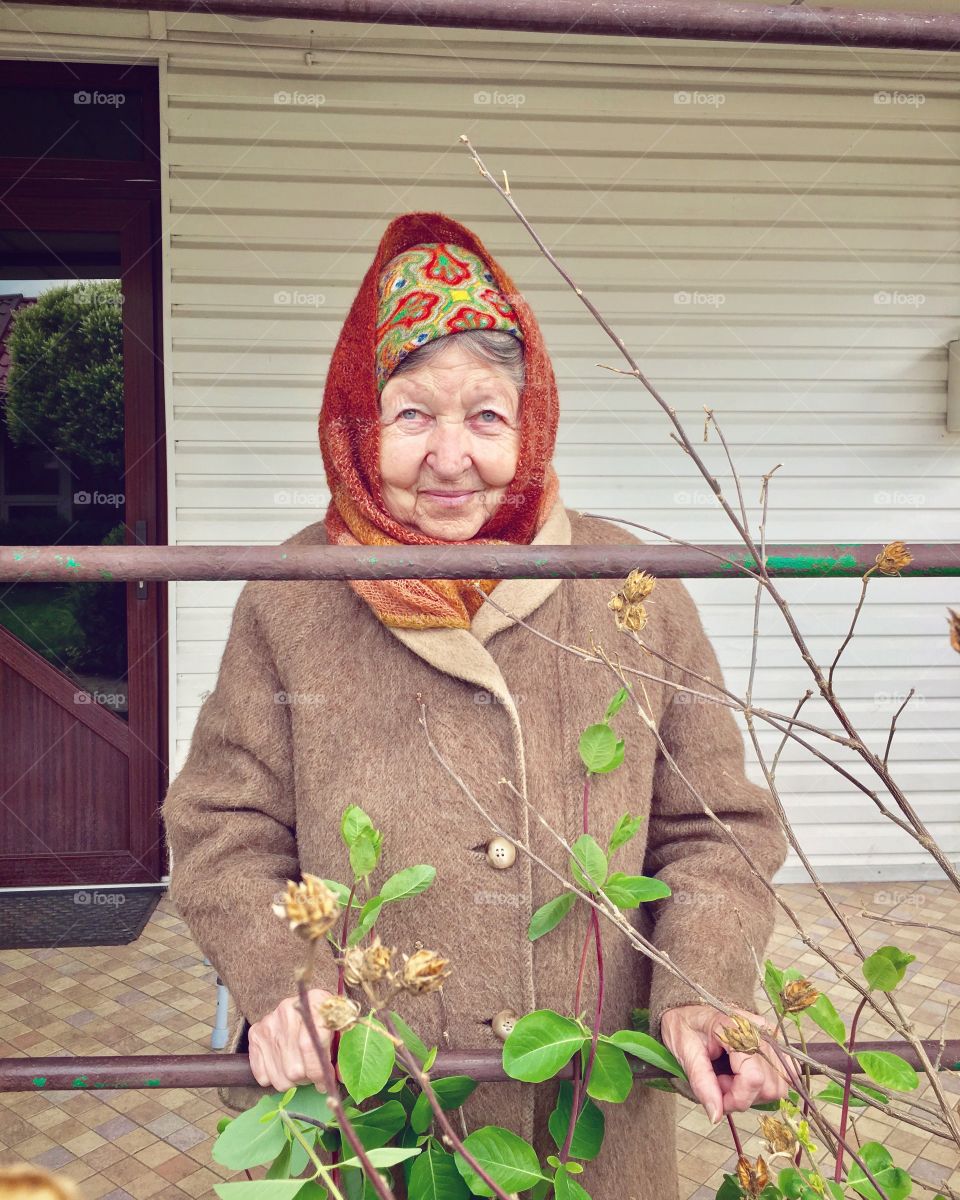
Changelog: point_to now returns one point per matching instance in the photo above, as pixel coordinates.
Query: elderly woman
(438, 426)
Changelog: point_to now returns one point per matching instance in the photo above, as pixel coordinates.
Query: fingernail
(716, 1117)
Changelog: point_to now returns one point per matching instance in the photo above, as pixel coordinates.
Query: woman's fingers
(702, 1078)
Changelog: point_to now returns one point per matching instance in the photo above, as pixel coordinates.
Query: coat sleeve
(718, 909)
(230, 821)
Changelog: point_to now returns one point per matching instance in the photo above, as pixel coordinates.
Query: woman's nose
(447, 451)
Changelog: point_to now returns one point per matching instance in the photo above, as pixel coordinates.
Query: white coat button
(503, 1023)
(501, 853)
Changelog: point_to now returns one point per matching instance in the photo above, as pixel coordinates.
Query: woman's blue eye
(490, 412)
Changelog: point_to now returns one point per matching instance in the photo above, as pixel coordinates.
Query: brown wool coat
(259, 799)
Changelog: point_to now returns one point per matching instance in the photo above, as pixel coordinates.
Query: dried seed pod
(423, 971)
(798, 994)
(309, 907)
(893, 558)
(779, 1137)
(337, 1012)
(743, 1036)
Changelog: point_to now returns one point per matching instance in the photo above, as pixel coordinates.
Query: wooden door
(82, 667)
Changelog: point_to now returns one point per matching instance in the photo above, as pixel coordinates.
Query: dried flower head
(893, 558)
(368, 964)
(423, 971)
(753, 1179)
(954, 622)
(798, 994)
(779, 1137)
(310, 907)
(743, 1036)
(337, 1012)
(627, 604)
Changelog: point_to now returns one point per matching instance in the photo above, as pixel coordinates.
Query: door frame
(123, 197)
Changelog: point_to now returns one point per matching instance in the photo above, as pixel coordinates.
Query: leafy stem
(322, 1171)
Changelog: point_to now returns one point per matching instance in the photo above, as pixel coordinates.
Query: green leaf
(833, 1094)
(342, 892)
(615, 761)
(450, 1093)
(376, 1126)
(565, 1188)
(435, 1177)
(889, 1070)
(409, 1038)
(540, 1044)
(280, 1167)
(611, 1078)
(311, 1102)
(624, 830)
(247, 1141)
(823, 1013)
(409, 882)
(627, 891)
(353, 822)
(886, 967)
(260, 1189)
(616, 703)
(431, 1058)
(510, 1161)
(598, 745)
(365, 852)
(365, 1059)
(368, 915)
(386, 1156)
(589, 863)
(588, 1134)
(548, 916)
(730, 1189)
(647, 1049)
(895, 1182)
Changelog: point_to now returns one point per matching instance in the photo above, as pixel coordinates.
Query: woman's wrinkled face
(449, 443)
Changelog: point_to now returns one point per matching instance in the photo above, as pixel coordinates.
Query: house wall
(769, 237)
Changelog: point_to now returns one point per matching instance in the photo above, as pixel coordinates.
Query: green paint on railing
(153, 1083)
(17, 556)
(39, 1081)
(80, 1081)
(105, 574)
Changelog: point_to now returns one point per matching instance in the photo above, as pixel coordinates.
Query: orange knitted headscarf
(349, 430)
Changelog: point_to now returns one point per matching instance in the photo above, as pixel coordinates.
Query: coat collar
(462, 653)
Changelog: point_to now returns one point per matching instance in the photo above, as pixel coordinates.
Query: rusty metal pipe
(98, 564)
(233, 1070)
(789, 24)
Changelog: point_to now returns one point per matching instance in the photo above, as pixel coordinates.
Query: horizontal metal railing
(84, 564)
(233, 1070)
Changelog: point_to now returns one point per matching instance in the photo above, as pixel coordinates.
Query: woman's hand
(282, 1055)
(690, 1032)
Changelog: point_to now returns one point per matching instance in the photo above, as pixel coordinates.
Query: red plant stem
(581, 1076)
(335, 1102)
(343, 938)
(847, 1081)
(441, 1117)
(736, 1136)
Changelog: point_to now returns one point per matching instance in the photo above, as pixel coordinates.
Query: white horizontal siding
(739, 248)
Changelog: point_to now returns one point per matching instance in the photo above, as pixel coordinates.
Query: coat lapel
(462, 653)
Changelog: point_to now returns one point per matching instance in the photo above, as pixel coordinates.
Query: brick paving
(157, 996)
